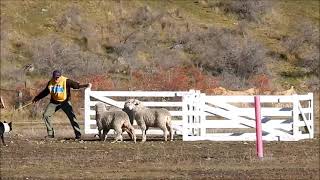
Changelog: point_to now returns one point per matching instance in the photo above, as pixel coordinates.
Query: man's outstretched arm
(41, 95)
(76, 85)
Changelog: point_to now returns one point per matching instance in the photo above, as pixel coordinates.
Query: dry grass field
(29, 156)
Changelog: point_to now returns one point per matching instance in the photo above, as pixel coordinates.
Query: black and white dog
(4, 128)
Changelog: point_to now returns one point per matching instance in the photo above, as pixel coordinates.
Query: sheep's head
(131, 103)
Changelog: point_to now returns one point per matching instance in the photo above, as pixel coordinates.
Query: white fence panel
(232, 118)
(163, 99)
(218, 118)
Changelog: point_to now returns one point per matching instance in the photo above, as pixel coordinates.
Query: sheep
(147, 117)
(113, 119)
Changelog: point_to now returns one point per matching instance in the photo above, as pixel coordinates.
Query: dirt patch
(34, 158)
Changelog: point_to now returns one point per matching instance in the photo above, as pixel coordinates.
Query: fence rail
(197, 116)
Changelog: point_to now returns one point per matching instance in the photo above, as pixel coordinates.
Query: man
(59, 89)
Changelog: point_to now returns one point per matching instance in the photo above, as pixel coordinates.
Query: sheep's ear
(136, 102)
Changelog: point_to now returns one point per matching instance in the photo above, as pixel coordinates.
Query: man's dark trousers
(67, 108)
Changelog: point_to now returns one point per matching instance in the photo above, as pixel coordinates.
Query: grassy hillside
(230, 42)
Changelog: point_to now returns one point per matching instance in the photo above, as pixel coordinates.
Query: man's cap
(56, 74)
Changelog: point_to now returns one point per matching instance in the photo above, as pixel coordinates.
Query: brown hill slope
(233, 42)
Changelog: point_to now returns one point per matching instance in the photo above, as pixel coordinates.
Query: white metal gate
(197, 116)
(232, 118)
(171, 100)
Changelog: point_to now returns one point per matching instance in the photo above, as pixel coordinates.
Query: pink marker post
(259, 143)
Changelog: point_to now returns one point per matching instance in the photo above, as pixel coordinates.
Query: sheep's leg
(125, 129)
(105, 132)
(133, 134)
(144, 132)
(118, 138)
(130, 130)
(99, 125)
(118, 131)
(169, 127)
(143, 128)
(165, 133)
(100, 135)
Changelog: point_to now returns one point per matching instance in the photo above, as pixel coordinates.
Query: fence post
(202, 114)
(311, 134)
(186, 118)
(188, 114)
(195, 112)
(87, 110)
(295, 117)
(259, 144)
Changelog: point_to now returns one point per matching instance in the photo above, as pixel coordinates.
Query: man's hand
(35, 100)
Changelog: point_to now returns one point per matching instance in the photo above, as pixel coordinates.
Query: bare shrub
(101, 82)
(142, 16)
(146, 41)
(303, 47)
(87, 33)
(51, 53)
(292, 43)
(310, 61)
(11, 74)
(262, 82)
(244, 57)
(70, 20)
(306, 33)
(13, 64)
(174, 78)
(310, 31)
(169, 57)
(231, 81)
(145, 49)
(313, 83)
(246, 9)
(219, 51)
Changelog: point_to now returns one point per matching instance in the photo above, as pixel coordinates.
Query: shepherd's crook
(24, 106)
